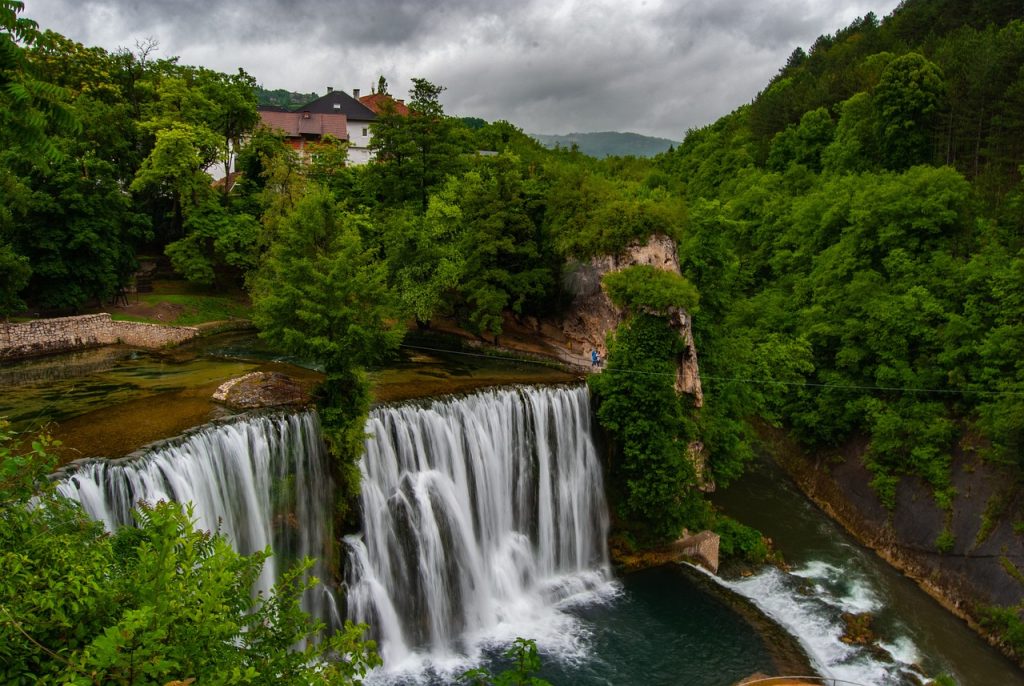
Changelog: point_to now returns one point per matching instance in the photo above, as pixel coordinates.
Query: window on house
(365, 131)
(337, 105)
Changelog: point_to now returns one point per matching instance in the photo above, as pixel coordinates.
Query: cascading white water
(482, 515)
(814, 617)
(262, 481)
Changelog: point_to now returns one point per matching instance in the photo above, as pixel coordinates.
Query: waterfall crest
(260, 480)
(481, 517)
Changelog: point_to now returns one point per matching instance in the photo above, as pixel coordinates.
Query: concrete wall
(43, 336)
(700, 548)
(359, 155)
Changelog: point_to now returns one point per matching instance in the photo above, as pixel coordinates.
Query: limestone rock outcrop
(261, 389)
(698, 457)
(592, 315)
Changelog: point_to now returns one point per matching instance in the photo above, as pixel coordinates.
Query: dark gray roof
(346, 104)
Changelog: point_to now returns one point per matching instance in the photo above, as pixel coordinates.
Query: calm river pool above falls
(110, 401)
(653, 627)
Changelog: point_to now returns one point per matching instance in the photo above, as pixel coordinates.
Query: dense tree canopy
(843, 231)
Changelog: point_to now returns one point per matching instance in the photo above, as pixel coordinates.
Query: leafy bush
(646, 288)
(740, 541)
(525, 662)
(153, 604)
(945, 541)
(1006, 624)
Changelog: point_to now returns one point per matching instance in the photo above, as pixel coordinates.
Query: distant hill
(608, 143)
(283, 98)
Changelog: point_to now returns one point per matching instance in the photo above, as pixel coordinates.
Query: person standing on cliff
(595, 359)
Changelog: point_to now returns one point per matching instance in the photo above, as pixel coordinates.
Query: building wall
(359, 155)
(359, 134)
(43, 336)
(359, 137)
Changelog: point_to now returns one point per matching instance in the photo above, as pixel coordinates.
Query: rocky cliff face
(592, 315)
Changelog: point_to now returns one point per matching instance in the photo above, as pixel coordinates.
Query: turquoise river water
(651, 627)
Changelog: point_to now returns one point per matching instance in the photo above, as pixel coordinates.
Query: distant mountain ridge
(608, 143)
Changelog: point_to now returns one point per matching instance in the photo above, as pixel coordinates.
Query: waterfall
(261, 480)
(482, 517)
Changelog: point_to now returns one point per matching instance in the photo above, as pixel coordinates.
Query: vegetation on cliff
(858, 214)
(653, 482)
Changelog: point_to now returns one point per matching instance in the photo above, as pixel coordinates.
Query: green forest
(852, 252)
(607, 143)
(856, 235)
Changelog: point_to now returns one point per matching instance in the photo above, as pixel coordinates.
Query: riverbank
(829, 574)
(969, 576)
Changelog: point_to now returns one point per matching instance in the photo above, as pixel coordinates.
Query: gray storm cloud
(657, 67)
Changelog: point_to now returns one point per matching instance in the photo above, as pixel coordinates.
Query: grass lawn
(182, 304)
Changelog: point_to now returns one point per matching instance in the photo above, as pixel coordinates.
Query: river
(652, 627)
(830, 573)
(110, 401)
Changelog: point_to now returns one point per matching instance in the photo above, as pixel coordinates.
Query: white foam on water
(815, 621)
(903, 650)
(560, 636)
(846, 590)
(484, 520)
(817, 569)
(860, 598)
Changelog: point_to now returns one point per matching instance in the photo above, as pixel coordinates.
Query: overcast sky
(656, 67)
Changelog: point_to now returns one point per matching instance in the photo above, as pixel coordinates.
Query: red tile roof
(377, 101)
(297, 124)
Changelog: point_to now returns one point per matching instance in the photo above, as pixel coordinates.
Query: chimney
(330, 89)
(355, 93)
(401, 101)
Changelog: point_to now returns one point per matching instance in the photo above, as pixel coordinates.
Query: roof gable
(339, 102)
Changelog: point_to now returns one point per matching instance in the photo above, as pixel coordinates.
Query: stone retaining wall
(61, 334)
(700, 548)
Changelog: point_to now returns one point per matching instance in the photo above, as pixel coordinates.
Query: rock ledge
(260, 389)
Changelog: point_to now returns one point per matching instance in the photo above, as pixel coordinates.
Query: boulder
(260, 389)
